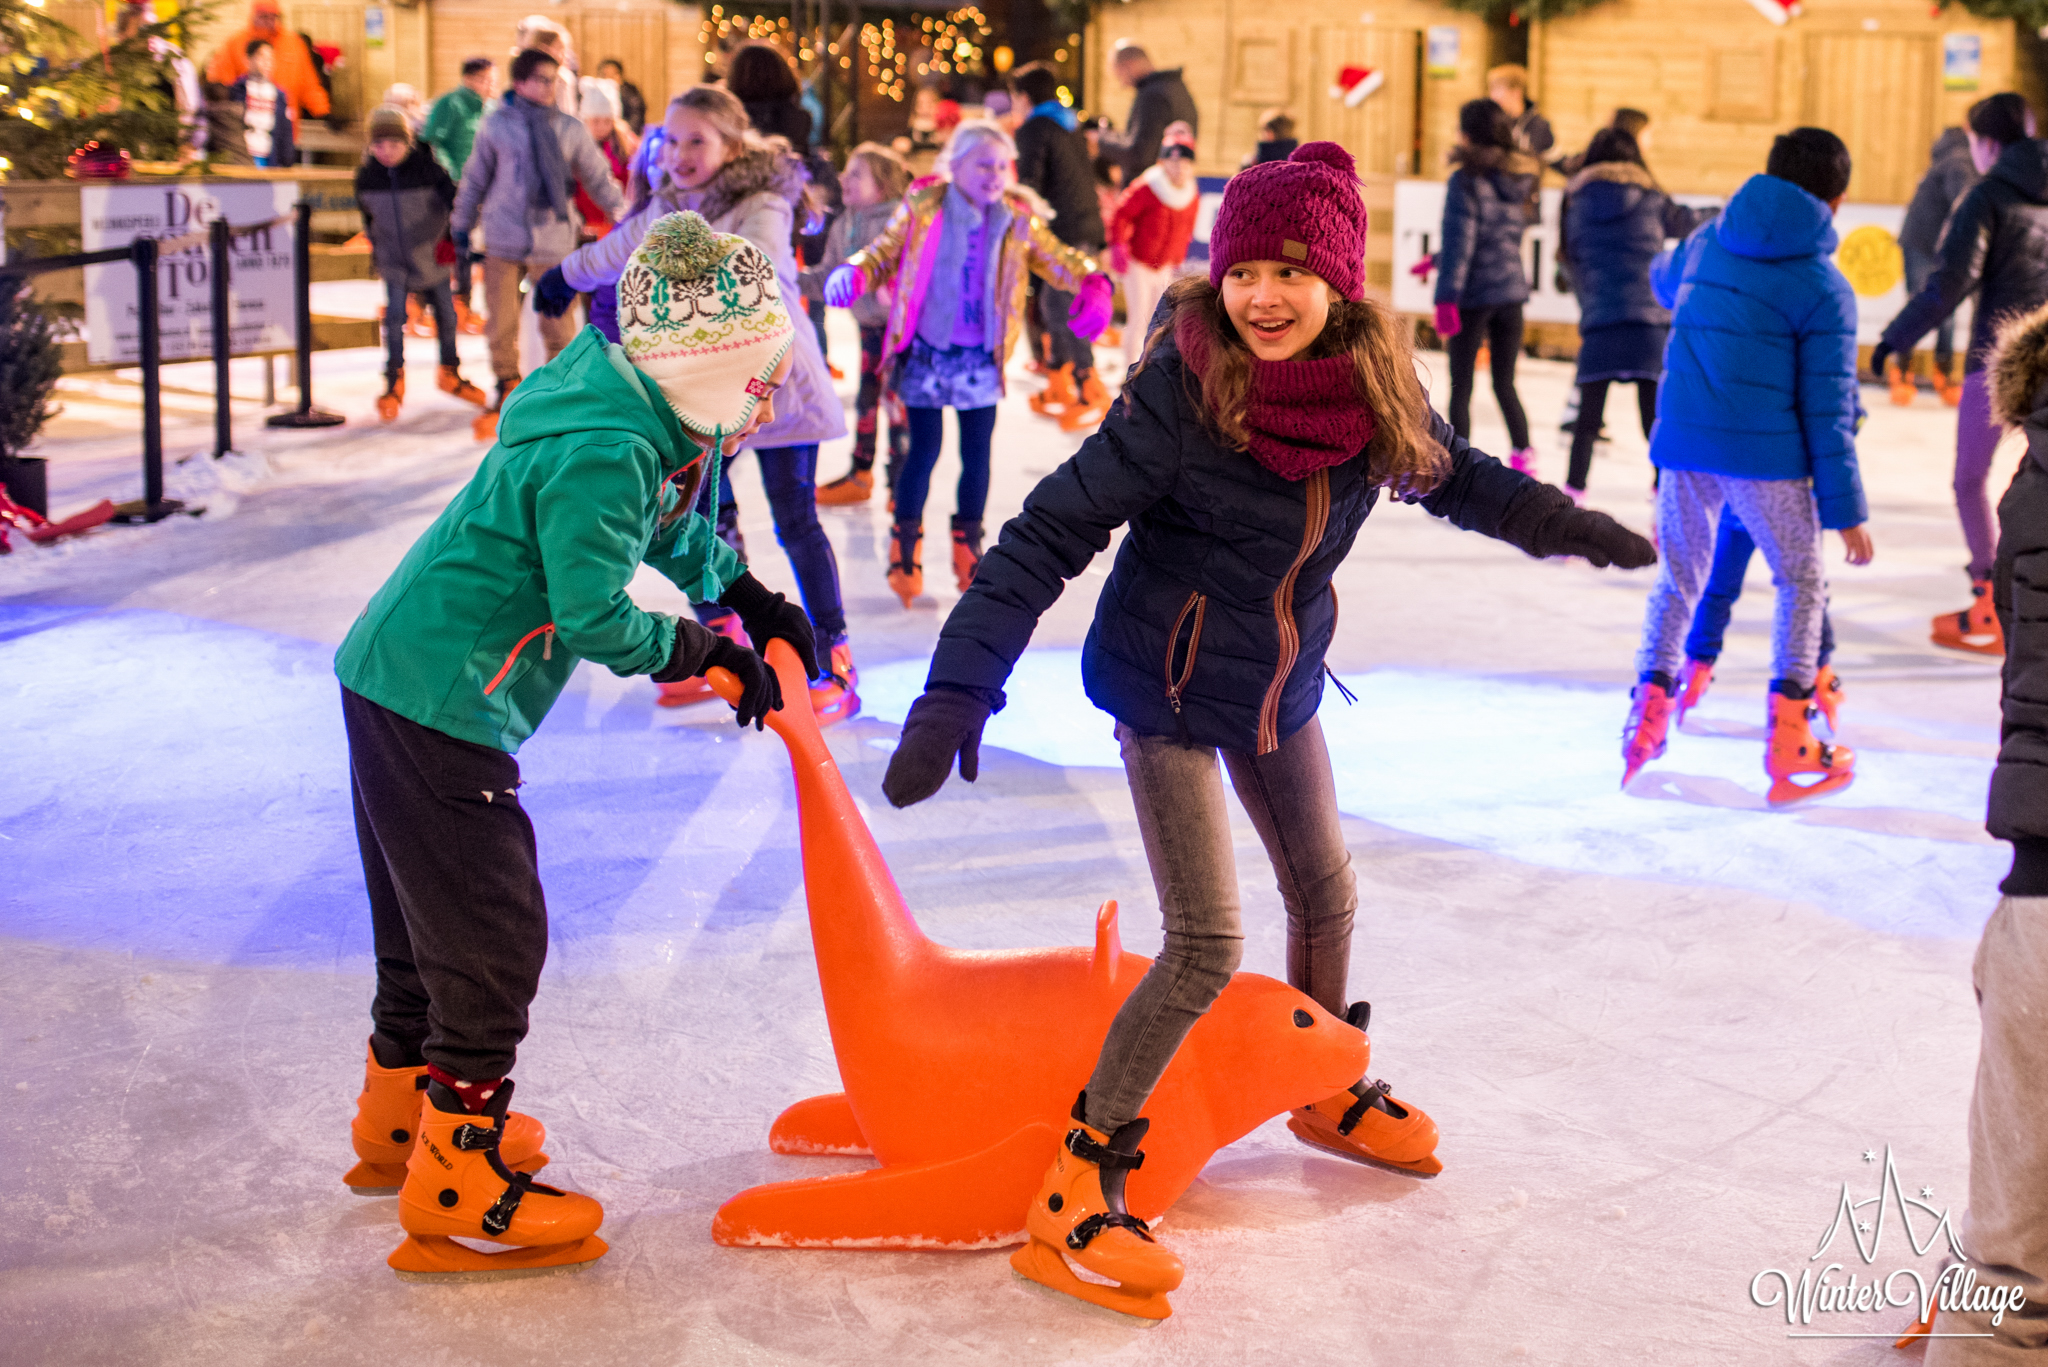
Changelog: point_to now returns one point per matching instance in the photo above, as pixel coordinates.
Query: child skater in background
(959, 253)
(1758, 417)
(1995, 247)
(266, 113)
(712, 162)
(1615, 221)
(1150, 231)
(1268, 415)
(1489, 203)
(405, 198)
(873, 185)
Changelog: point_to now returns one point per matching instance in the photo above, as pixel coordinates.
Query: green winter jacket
(525, 572)
(451, 127)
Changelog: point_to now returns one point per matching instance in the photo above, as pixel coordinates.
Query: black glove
(760, 688)
(1543, 521)
(769, 617)
(1879, 354)
(943, 723)
(460, 237)
(552, 294)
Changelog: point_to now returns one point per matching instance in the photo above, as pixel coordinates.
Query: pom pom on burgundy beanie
(1306, 209)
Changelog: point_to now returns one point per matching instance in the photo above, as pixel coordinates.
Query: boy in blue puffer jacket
(1758, 415)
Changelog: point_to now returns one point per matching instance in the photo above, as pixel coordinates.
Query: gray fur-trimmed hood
(2019, 367)
(772, 168)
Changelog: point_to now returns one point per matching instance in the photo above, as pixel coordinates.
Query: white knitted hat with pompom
(701, 315)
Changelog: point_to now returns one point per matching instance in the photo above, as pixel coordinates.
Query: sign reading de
(260, 276)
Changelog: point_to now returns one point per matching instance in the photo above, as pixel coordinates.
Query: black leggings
(1500, 329)
(1586, 427)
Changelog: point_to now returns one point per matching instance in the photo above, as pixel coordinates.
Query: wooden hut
(1240, 58)
(1719, 82)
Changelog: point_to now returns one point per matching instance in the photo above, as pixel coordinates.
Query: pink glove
(1448, 324)
(844, 285)
(1421, 269)
(1119, 257)
(1089, 313)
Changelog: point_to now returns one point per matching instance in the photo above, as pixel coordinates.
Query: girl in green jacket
(456, 660)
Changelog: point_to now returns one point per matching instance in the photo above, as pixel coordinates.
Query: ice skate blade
(375, 1179)
(1426, 1166)
(1041, 1263)
(1784, 792)
(1918, 1330)
(437, 1258)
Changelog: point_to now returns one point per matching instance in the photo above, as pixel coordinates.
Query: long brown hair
(1402, 454)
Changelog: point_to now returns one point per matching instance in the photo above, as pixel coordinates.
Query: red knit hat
(1306, 209)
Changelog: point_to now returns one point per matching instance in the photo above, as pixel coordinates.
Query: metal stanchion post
(223, 339)
(153, 507)
(302, 286)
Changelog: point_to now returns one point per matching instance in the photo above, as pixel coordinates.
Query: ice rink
(1660, 1030)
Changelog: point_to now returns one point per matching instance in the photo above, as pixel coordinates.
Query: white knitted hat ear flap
(701, 314)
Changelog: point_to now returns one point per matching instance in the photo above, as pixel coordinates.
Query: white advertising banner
(1869, 255)
(260, 277)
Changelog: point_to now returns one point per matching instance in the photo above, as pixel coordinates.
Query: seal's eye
(1303, 1020)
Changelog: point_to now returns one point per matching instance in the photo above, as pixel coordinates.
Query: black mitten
(1543, 521)
(760, 688)
(552, 293)
(944, 722)
(769, 616)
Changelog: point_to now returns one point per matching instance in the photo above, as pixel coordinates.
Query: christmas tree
(60, 89)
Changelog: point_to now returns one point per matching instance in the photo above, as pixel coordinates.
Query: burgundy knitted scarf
(1303, 416)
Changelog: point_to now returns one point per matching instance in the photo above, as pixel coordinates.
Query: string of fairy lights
(894, 56)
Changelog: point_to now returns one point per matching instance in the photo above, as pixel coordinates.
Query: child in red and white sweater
(1150, 232)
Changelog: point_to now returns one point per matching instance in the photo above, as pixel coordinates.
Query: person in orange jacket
(296, 75)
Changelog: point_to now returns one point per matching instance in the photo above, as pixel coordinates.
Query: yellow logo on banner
(1871, 258)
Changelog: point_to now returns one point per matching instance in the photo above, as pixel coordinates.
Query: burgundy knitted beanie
(1306, 209)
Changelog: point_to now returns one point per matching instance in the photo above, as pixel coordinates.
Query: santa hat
(1355, 83)
(701, 314)
(1777, 11)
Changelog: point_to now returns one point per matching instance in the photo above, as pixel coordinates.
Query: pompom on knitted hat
(701, 314)
(1306, 209)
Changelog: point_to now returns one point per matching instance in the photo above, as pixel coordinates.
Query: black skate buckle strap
(471, 1138)
(1359, 1107)
(498, 1218)
(1088, 1149)
(1081, 1235)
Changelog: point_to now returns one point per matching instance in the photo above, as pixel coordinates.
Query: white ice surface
(1658, 1029)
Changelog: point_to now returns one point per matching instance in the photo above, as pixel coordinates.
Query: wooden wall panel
(1876, 92)
(1381, 130)
(1671, 60)
(1211, 40)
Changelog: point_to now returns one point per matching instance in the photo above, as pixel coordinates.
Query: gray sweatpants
(1782, 518)
(2006, 1231)
(1291, 797)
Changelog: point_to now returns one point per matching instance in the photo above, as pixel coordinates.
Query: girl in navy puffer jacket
(1489, 203)
(1615, 221)
(1244, 453)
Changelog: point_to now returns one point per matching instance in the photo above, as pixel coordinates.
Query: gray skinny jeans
(1291, 796)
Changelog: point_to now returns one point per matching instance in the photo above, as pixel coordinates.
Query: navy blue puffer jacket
(1487, 206)
(1760, 372)
(1615, 223)
(1996, 243)
(1219, 609)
